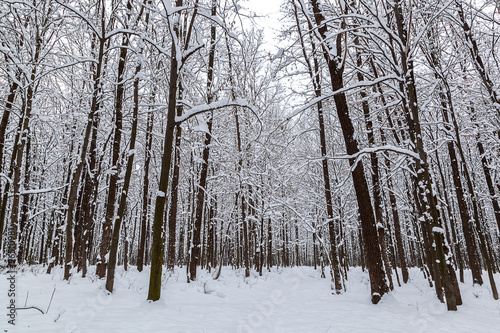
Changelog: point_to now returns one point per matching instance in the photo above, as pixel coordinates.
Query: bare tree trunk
(430, 212)
(158, 240)
(372, 247)
(3, 127)
(314, 73)
(75, 181)
(109, 217)
(471, 44)
(200, 199)
(23, 237)
(18, 161)
(128, 175)
(145, 192)
(172, 214)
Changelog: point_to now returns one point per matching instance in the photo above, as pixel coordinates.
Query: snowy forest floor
(283, 300)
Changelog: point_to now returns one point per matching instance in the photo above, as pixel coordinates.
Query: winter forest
(163, 168)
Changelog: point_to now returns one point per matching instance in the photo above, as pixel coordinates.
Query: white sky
(268, 20)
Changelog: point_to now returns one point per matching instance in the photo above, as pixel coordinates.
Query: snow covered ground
(284, 300)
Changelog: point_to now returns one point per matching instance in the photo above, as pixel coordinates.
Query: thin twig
(51, 297)
(31, 307)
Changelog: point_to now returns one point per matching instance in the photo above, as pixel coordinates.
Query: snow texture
(284, 300)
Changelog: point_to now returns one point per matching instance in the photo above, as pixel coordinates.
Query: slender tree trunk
(75, 181)
(200, 199)
(145, 191)
(430, 212)
(124, 194)
(17, 166)
(158, 240)
(315, 73)
(3, 127)
(372, 247)
(172, 214)
(109, 217)
(471, 44)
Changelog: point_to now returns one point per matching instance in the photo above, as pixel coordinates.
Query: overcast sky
(269, 14)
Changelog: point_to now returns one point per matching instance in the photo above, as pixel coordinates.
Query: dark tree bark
(128, 175)
(314, 74)
(3, 127)
(107, 227)
(145, 192)
(158, 238)
(75, 181)
(426, 195)
(471, 44)
(200, 198)
(369, 230)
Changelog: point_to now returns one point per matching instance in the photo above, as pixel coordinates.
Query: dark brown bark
(75, 181)
(18, 161)
(369, 230)
(26, 198)
(200, 198)
(158, 238)
(377, 193)
(314, 74)
(489, 182)
(269, 245)
(426, 195)
(471, 44)
(172, 214)
(145, 192)
(107, 228)
(124, 192)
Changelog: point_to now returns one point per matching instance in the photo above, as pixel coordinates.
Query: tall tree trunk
(145, 191)
(172, 214)
(314, 74)
(471, 44)
(430, 212)
(3, 127)
(109, 217)
(158, 239)
(369, 230)
(75, 181)
(489, 182)
(17, 166)
(124, 194)
(200, 199)
(377, 192)
(23, 236)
